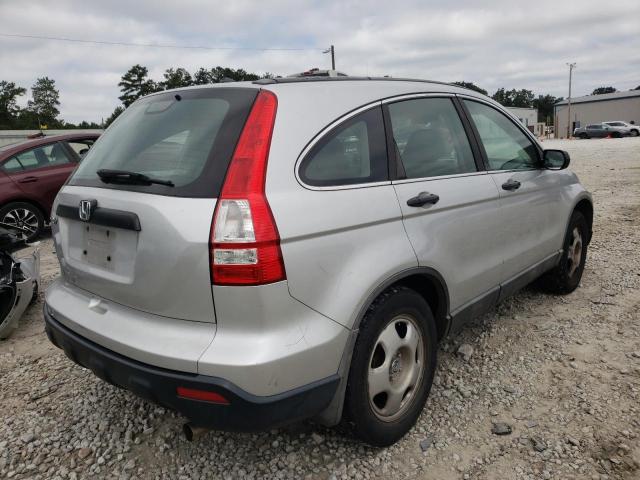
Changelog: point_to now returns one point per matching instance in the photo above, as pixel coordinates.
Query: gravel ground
(561, 374)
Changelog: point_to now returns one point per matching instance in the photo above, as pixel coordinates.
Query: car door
(530, 221)
(449, 203)
(43, 171)
(596, 131)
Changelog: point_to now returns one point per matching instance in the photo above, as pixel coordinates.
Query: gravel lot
(562, 372)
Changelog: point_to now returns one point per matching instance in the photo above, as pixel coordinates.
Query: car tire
(583, 136)
(565, 277)
(616, 135)
(24, 218)
(395, 353)
(634, 133)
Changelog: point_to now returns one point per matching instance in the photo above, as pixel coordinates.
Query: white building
(529, 118)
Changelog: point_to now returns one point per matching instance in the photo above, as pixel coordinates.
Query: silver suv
(253, 254)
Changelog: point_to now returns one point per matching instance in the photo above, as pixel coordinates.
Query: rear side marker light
(245, 244)
(202, 395)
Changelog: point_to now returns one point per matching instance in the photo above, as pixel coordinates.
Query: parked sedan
(600, 130)
(31, 174)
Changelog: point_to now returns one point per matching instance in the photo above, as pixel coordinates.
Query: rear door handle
(28, 180)
(423, 198)
(511, 185)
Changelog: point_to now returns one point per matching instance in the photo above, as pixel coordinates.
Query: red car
(31, 173)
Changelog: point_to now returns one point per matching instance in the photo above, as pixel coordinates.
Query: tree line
(42, 108)
(135, 83)
(524, 98)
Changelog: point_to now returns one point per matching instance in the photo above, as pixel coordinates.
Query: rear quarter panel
(338, 245)
(9, 191)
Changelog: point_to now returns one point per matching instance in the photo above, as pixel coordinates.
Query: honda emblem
(86, 209)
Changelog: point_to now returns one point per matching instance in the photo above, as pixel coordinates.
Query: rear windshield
(187, 137)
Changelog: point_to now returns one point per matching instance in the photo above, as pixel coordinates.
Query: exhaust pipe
(191, 432)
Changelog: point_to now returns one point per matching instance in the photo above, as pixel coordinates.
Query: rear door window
(45, 156)
(12, 165)
(430, 138)
(354, 152)
(186, 137)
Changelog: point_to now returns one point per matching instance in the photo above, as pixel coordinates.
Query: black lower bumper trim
(245, 412)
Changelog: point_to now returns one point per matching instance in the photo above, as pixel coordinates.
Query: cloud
(494, 43)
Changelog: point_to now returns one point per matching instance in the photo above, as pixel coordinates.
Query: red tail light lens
(245, 245)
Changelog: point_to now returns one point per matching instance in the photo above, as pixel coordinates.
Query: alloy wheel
(22, 220)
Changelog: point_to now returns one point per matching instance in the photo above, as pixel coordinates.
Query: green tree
(82, 125)
(523, 98)
(603, 90)
(503, 97)
(176, 78)
(203, 77)
(471, 86)
(514, 98)
(9, 109)
(116, 113)
(217, 74)
(135, 84)
(544, 104)
(45, 101)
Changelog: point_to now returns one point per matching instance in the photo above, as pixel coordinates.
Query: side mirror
(555, 159)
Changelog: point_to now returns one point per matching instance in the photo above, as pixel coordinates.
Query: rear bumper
(245, 412)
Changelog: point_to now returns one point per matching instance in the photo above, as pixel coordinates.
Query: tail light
(245, 245)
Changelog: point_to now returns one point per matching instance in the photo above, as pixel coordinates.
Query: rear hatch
(134, 220)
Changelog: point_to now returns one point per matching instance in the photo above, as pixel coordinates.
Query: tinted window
(12, 165)
(430, 138)
(45, 156)
(507, 147)
(594, 127)
(186, 137)
(354, 152)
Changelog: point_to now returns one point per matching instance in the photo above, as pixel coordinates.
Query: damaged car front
(19, 280)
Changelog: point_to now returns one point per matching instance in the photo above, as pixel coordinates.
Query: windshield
(185, 138)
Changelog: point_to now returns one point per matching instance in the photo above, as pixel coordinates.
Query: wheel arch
(585, 207)
(30, 201)
(424, 280)
(428, 283)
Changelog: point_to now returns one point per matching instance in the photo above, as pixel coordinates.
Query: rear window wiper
(130, 178)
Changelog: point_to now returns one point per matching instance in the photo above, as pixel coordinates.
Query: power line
(153, 45)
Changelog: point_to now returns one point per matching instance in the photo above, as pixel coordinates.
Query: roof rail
(272, 81)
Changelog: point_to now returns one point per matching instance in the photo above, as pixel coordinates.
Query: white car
(631, 129)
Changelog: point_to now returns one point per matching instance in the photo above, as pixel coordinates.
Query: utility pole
(332, 51)
(571, 67)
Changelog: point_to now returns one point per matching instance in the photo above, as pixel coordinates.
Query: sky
(493, 43)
